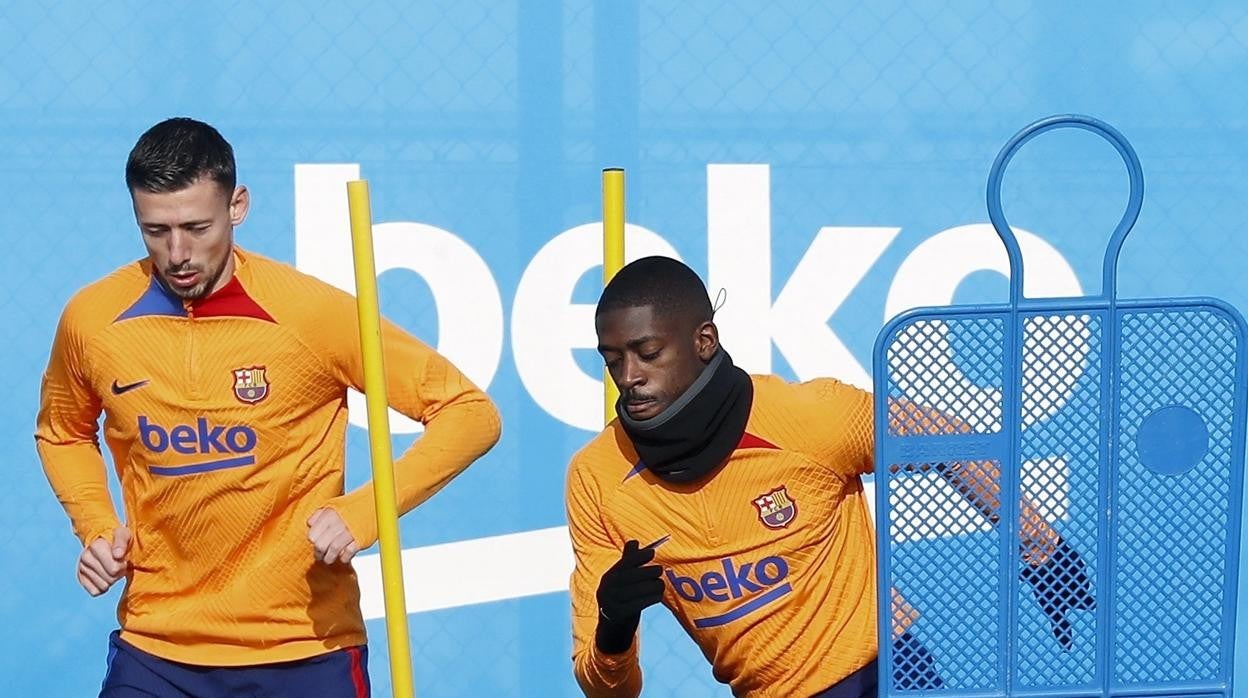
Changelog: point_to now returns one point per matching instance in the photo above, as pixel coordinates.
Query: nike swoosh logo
(119, 389)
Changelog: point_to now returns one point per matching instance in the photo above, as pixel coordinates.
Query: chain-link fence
(869, 129)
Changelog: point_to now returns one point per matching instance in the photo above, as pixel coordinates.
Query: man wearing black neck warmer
(737, 502)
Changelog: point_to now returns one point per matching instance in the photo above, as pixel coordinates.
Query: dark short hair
(662, 283)
(177, 152)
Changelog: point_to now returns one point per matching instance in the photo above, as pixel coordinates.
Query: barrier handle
(1135, 197)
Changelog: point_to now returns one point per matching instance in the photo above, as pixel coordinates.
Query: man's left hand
(331, 540)
(1060, 584)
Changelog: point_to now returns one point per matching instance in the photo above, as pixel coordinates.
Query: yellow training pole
(612, 255)
(379, 438)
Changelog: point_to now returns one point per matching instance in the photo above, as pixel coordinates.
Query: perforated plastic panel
(1084, 449)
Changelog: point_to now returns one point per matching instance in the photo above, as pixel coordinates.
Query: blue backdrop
(822, 162)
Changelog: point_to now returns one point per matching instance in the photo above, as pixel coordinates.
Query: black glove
(629, 586)
(914, 667)
(1060, 583)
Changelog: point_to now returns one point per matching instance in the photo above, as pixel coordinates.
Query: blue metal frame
(1005, 446)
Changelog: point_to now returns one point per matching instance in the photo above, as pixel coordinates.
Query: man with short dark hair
(222, 377)
(737, 502)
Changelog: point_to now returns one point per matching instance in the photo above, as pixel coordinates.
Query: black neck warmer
(698, 431)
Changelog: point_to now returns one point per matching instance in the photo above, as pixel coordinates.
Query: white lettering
(546, 326)
(469, 308)
(738, 214)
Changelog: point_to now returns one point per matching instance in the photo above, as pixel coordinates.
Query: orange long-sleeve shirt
(769, 565)
(226, 418)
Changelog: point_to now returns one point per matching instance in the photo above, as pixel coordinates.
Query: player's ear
(240, 203)
(706, 341)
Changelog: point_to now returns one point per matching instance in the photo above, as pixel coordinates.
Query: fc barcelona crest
(775, 509)
(250, 384)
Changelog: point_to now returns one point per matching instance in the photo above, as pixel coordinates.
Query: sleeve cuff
(357, 512)
(612, 664)
(97, 529)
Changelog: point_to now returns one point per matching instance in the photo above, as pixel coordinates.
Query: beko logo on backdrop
(546, 326)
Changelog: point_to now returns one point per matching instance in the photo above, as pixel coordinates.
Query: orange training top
(769, 565)
(226, 419)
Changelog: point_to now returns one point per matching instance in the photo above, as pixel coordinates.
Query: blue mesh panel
(1170, 573)
(1087, 445)
(1060, 447)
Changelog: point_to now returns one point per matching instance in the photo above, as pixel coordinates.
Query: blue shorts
(133, 673)
(914, 669)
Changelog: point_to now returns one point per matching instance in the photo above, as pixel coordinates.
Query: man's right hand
(102, 563)
(628, 587)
